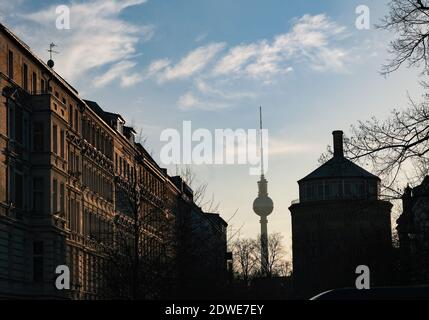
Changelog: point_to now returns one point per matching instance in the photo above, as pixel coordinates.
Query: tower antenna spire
(262, 147)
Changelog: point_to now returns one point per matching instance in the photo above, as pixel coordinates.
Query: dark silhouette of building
(413, 234)
(338, 224)
(413, 223)
(63, 164)
(202, 250)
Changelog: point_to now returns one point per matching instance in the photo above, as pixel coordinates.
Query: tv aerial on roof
(51, 51)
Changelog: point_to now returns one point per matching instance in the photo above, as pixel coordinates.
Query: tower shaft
(264, 246)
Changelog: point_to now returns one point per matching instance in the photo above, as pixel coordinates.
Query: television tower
(263, 206)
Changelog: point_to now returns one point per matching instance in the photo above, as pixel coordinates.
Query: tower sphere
(263, 206)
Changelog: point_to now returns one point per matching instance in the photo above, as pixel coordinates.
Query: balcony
(47, 101)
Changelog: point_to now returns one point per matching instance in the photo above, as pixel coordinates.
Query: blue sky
(214, 62)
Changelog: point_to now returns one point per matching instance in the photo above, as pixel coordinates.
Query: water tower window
(348, 188)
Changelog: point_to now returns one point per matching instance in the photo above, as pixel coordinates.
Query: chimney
(338, 144)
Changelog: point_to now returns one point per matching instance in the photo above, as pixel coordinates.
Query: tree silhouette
(409, 20)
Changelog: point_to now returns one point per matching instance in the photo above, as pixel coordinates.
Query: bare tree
(208, 204)
(245, 259)
(139, 262)
(395, 149)
(285, 268)
(276, 255)
(409, 20)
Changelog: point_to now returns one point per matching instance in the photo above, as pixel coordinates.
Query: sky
(160, 63)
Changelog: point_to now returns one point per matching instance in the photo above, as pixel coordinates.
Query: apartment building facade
(65, 165)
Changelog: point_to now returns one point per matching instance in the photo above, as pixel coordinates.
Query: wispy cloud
(157, 66)
(8, 8)
(191, 64)
(122, 71)
(206, 96)
(311, 40)
(314, 41)
(189, 101)
(235, 59)
(98, 38)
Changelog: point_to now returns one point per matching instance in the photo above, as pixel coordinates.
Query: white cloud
(314, 41)
(207, 97)
(209, 90)
(191, 64)
(235, 59)
(157, 66)
(98, 37)
(310, 40)
(8, 8)
(201, 37)
(121, 70)
(189, 101)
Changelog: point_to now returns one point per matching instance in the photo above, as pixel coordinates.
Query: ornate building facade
(64, 166)
(338, 224)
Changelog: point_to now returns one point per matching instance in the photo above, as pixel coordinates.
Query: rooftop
(339, 166)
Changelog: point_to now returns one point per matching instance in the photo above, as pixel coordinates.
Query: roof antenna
(262, 147)
(51, 51)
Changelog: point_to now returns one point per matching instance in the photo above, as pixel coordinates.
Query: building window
(34, 83)
(62, 143)
(11, 118)
(116, 162)
(62, 198)
(19, 191)
(78, 229)
(54, 196)
(71, 116)
(42, 86)
(18, 124)
(38, 195)
(72, 214)
(38, 137)
(55, 139)
(77, 169)
(76, 119)
(26, 129)
(38, 261)
(25, 77)
(10, 65)
(71, 161)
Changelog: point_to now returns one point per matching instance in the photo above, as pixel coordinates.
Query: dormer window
(132, 138)
(120, 126)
